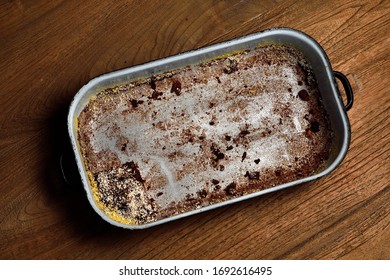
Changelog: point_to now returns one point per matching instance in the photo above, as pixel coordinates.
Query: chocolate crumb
(304, 95)
(231, 66)
(202, 193)
(134, 170)
(257, 161)
(253, 175)
(218, 154)
(153, 82)
(134, 103)
(315, 126)
(231, 189)
(122, 206)
(215, 181)
(176, 87)
(244, 133)
(243, 157)
(228, 138)
(156, 95)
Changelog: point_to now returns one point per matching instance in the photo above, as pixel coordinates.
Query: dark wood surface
(49, 49)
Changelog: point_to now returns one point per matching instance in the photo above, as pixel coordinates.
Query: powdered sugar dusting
(226, 122)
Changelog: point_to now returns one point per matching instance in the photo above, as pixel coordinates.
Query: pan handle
(69, 170)
(347, 89)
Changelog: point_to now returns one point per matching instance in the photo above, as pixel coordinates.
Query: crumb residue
(205, 133)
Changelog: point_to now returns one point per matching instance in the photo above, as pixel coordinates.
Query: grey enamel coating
(314, 54)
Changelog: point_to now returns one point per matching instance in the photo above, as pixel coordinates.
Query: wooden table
(49, 49)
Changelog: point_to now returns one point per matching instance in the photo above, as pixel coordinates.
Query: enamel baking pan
(314, 54)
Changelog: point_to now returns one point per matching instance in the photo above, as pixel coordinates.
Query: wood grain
(49, 50)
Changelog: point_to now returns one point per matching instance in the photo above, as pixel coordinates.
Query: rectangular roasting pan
(316, 57)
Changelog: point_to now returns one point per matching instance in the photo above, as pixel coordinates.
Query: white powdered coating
(252, 116)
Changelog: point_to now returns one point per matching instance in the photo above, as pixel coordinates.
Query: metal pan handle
(347, 89)
(69, 171)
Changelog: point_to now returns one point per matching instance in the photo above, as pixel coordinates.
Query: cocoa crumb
(156, 95)
(231, 189)
(244, 133)
(176, 87)
(134, 170)
(243, 157)
(153, 82)
(253, 175)
(202, 193)
(134, 103)
(304, 95)
(217, 153)
(215, 181)
(231, 66)
(315, 126)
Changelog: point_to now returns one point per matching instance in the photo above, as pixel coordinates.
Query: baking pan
(313, 53)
